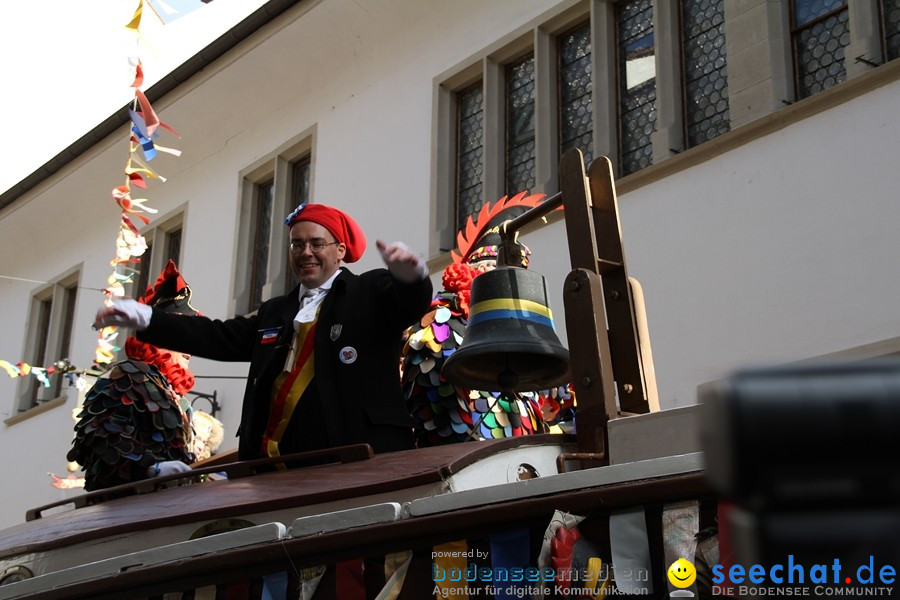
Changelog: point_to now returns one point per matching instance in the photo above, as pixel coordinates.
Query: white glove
(124, 312)
(167, 467)
(402, 262)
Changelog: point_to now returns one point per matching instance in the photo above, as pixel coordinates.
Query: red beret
(340, 224)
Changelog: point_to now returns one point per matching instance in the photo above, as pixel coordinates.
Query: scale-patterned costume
(131, 420)
(135, 415)
(445, 413)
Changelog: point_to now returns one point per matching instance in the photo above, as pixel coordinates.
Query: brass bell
(510, 343)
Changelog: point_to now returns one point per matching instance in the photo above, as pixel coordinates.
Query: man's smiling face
(314, 268)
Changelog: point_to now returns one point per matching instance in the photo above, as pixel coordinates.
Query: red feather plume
(475, 229)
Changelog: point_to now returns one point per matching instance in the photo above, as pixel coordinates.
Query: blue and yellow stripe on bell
(510, 343)
(511, 308)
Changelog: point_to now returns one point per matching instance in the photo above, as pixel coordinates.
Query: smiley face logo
(682, 573)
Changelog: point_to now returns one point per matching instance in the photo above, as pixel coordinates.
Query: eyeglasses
(315, 246)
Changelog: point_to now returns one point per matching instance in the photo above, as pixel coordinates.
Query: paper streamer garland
(63, 367)
(130, 244)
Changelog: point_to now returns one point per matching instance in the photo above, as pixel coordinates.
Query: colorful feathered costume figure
(446, 413)
(136, 417)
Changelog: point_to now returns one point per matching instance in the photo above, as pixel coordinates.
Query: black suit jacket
(362, 319)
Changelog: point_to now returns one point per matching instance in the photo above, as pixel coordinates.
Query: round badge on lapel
(348, 355)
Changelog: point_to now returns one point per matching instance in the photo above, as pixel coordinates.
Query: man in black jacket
(324, 357)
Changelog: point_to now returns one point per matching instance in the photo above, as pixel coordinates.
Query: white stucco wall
(775, 251)
(778, 251)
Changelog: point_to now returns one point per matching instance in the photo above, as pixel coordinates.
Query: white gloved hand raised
(403, 264)
(167, 467)
(124, 312)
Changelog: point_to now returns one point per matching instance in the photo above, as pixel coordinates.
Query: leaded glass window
(576, 122)
(820, 34)
(637, 83)
(259, 257)
(50, 324)
(890, 11)
(520, 126)
(469, 151)
(44, 312)
(173, 246)
(300, 182)
(269, 193)
(66, 338)
(299, 195)
(705, 70)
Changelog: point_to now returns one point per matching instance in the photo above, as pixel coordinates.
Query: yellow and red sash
(289, 387)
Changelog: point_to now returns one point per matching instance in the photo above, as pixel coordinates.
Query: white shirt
(310, 299)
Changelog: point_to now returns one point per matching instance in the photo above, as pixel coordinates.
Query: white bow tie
(309, 305)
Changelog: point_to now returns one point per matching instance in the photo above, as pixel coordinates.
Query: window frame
(540, 38)
(683, 79)
(160, 240)
(557, 62)
(883, 35)
(620, 90)
(278, 167)
(759, 76)
(793, 40)
(507, 66)
(477, 85)
(489, 67)
(47, 334)
(260, 242)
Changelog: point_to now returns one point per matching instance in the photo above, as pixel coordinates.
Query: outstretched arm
(124, 312)
(402, 262)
